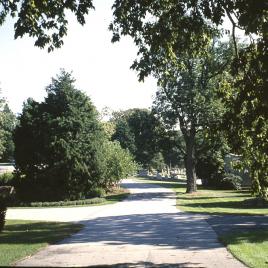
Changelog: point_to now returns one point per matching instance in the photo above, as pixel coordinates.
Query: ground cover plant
(22, 238)
(250, 247)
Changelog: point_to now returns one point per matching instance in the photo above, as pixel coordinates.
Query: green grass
(23, 238)
(212, 201)
(249, 247)
(110, 198)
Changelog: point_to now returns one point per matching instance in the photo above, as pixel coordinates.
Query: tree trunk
(190, 165)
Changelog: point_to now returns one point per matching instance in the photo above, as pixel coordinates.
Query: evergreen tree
(58, 144)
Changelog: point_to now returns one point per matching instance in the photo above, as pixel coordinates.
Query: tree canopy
(45, 21)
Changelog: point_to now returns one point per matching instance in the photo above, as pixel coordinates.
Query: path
(145, 230)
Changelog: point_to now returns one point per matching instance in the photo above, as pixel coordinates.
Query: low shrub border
(119, 195)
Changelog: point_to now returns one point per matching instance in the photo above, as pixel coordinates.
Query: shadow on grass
(16, 232)
(251, 236)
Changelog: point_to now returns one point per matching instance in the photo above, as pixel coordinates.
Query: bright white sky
(101, 69)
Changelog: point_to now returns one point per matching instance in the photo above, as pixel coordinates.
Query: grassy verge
(212, 201)
(249, 247)
(23, 238)
(110, 198)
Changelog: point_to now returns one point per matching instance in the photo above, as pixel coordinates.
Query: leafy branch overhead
(45, 21)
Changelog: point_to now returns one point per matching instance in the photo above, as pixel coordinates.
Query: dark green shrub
(3, 210)
(231, 182)
(57, 145)
(6, 192)
(6, 179)
(97, 192)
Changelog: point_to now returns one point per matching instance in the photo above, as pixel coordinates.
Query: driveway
(145, 230)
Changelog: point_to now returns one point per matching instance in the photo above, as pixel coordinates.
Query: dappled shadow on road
(173, 230)
(153, 196)
(151, 265)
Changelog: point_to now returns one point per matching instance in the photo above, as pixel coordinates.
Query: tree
(7, 126)
(44, 20)
(57, 144)
(118, 163)
(178, 27)
(211, 149)
(137, 131)
(187, 96)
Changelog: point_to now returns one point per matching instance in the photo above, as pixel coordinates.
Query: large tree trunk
(190, 164)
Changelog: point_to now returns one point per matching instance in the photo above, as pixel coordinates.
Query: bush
(6, 179)
(231, 182)
(97, 192)
(6, 193)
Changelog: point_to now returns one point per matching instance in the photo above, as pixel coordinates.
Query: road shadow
(151, 265)
(172, 230)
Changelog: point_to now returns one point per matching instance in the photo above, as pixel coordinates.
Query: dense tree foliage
(57, 143)
(136, 130)
(61, 149)
(7, 125)
(174, 28)
(142, 133)
(45, 21)
(187, 96)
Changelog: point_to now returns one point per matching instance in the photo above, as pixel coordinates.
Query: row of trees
(175, 41)
(61, 149)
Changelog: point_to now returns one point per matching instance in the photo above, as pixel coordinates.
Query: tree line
(213, 91)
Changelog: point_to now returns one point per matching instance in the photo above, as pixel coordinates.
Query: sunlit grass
(250, 247)
(212, 201)
(23, 238)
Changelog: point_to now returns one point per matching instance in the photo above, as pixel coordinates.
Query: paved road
(146, 230)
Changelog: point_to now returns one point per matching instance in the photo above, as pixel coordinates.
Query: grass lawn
(212, 201)
(23, 238)
(249, 247)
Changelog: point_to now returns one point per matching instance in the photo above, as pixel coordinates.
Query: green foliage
(57, 144)
(44, 20)
(231, 181)
(6, 179)
(97, 192)
(6, 193)
(118, 164)
(158, 162)
(138, 131)
(7, 126)
(187, 97)
(246, 116)
(176, 28)
(211, 148)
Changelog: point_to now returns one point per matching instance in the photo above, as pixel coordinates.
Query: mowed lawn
(23, 238)
(251, 247)
(210, 201)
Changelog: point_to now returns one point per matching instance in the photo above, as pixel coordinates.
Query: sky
(101, 69)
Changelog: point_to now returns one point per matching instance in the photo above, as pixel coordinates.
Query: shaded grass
(23, 238)
(212, 201)
(112, 197)
(251, 247)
